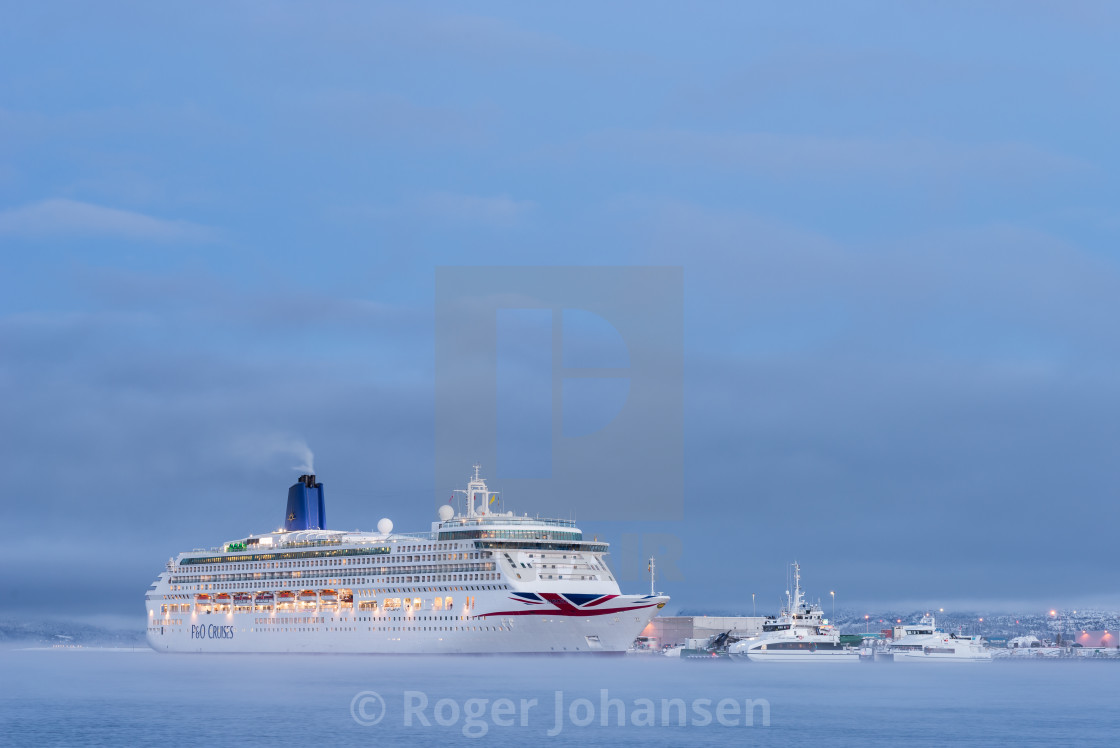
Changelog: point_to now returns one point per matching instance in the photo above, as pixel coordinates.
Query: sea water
(113, 697)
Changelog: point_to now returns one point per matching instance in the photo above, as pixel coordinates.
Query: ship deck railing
(494, 519)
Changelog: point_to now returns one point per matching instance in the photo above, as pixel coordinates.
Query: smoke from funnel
(263, 448)
(306, 457)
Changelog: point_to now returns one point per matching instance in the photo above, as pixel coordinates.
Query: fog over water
(101, 697)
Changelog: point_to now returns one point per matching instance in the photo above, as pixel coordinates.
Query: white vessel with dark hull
(477, 582)
(800, 633)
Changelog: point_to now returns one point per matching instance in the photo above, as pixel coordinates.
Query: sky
(895, 223)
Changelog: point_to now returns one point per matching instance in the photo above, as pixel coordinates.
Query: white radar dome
(446, 513)
(385, 526)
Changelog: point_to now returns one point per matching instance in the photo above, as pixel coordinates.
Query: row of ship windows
(386, 608)
(487, 566)
(352, 629)
(364, 580)
(511, 535)
(278, 629)
(341, 600)
(360, 593)
(258, 555)
(256, 562)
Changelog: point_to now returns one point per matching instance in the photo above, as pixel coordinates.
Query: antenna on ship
(797, 583)
(652, 573)
(475, 487)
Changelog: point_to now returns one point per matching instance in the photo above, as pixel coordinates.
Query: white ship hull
(845, 656)
(611, 631)
(754, 651)
(918, 656)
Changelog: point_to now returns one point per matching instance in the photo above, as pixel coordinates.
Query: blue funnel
(306, 510)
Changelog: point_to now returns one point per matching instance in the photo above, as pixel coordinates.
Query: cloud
(795, 155)
(471, 39)
(59, 217)
(999, 279)
(496, 211)
(381, 116)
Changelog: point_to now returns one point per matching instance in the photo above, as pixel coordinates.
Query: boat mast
(797, 584)
(652, 571)
(476, 487)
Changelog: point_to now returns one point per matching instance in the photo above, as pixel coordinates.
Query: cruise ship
(479, 581)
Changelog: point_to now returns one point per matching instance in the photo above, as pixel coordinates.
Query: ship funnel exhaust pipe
(306, 508)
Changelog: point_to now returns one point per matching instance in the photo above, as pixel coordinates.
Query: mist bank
(16, 632)
(977, 620)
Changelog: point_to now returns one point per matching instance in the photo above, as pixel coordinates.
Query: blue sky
(219, 228)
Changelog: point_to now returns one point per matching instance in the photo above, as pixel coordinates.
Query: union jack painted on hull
(575, 604)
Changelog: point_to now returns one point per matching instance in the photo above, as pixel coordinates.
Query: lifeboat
(222, 598)
(308, 596)
(329, 597)
(265, 597)
(286, 597)
(202, 598)
(242, 598)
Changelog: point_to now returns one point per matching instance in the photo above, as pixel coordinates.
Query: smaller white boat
(800, 633)
(924, 642)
